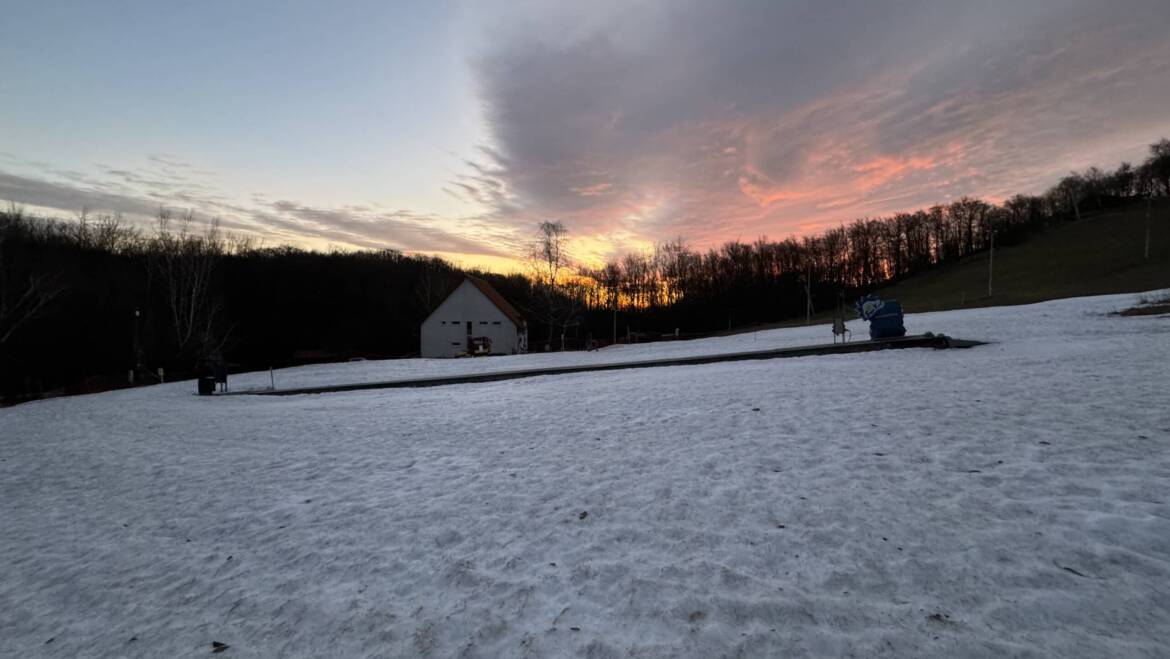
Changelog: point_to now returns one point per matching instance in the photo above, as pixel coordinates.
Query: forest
(93, 302)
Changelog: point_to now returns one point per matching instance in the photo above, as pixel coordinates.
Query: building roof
(498, 300)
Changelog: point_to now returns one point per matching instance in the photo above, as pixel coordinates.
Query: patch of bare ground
(1149, 306)
(1152, 310)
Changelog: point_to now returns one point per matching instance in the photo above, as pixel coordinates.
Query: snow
(1010, 499)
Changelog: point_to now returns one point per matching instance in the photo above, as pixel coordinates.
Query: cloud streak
(169, 182)
(722, 120)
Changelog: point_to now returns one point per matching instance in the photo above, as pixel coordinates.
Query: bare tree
(1072, 188)
(22, 298)
(1156, 169)
(549, 254)
(433, 283)
(185, 262)
(548, 258)
(1122, 181)
(1093, 181)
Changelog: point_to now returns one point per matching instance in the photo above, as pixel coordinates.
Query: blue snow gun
(885, 318)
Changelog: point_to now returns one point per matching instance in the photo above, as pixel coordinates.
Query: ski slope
(1011, 499)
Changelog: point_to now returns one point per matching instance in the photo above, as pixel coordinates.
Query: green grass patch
(1098, 255)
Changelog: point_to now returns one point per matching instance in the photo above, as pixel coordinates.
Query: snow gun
(884, 317)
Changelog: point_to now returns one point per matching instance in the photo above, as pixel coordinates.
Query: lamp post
(808, 305)
(1147, 251)
(137, 344)
(990, 262)
(135, 357)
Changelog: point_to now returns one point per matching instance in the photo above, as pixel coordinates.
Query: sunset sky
(453, 128)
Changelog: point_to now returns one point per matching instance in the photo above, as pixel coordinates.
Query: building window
(495, 322)
(456, 343)
(483, 322)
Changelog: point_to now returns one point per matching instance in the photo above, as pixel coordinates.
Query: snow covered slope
(1011, 499)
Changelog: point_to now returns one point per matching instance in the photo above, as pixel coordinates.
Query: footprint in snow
(941, 618)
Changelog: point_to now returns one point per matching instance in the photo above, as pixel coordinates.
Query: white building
(472, 311)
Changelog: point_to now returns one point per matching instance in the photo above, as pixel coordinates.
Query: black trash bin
(206, 385)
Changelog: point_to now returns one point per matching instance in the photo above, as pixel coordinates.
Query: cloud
(636, 122)
(368, 228)
(23, 190)
(168, 182)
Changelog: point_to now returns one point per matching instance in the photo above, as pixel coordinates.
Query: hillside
(909, 503)
(1100, 254)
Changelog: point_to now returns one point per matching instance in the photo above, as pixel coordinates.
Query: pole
(1147, 252)
(137, 345)
(808, 296)
(615, 324)
(271, 379)
(990, 263)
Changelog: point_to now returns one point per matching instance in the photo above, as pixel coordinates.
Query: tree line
(766, 279)
(94, 302)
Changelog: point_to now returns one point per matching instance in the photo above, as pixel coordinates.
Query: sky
(453, 128)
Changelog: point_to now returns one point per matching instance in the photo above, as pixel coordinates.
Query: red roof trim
(498, 300)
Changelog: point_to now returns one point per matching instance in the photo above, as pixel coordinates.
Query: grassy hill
(1098, 255)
